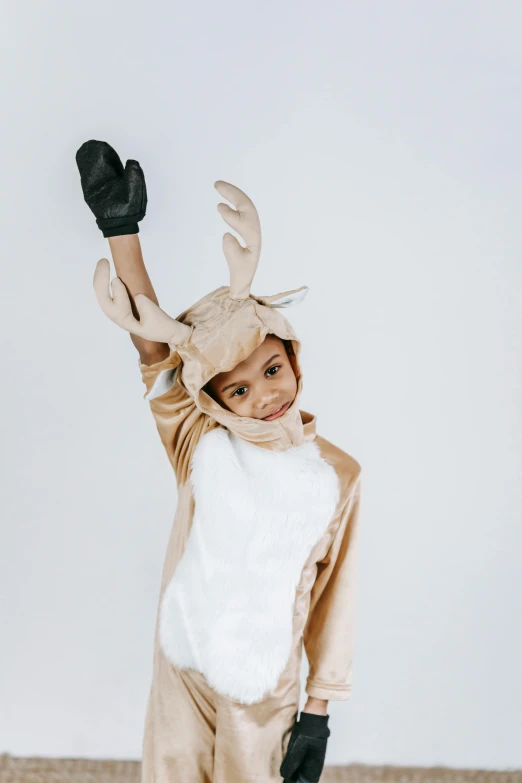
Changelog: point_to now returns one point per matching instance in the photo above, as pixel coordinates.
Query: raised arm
(117, 197)
(130, 268)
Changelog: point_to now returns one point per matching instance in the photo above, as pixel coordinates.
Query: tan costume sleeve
(329, 630)
(179, 422)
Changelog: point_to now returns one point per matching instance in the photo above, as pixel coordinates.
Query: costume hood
(221, 329)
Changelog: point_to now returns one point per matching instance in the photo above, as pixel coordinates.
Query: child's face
(260, 384)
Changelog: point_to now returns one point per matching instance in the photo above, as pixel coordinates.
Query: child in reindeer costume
(261, 558)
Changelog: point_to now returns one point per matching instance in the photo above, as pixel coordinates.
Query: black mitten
(117, 196)
(304, 760)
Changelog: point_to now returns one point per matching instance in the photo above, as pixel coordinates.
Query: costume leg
(251, 740)
(179, 728)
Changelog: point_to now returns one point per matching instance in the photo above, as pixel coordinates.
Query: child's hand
(304, 760)
(117, 196)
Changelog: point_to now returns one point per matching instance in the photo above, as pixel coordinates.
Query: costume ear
(286, 299)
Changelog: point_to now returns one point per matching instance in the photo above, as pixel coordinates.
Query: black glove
(116, 196)
(306, 751)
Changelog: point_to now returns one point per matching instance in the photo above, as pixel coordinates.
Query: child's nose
(267, 403)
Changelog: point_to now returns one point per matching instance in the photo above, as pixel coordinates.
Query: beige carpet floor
(44, 770)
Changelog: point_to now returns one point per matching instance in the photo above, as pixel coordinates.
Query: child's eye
(236, 391)
(274, 367)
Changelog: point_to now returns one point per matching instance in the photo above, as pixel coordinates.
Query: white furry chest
(228, 609)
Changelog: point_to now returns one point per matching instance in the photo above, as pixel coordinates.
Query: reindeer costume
(261, 557)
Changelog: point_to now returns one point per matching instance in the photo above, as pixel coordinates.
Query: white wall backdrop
(381, 144)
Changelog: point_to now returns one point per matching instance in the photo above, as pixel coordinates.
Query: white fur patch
(228, 610)
(163, 383)
(290, 300)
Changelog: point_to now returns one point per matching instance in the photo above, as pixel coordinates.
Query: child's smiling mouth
(277, 413)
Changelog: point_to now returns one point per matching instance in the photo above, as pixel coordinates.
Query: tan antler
(242, 261)
(154, 323)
